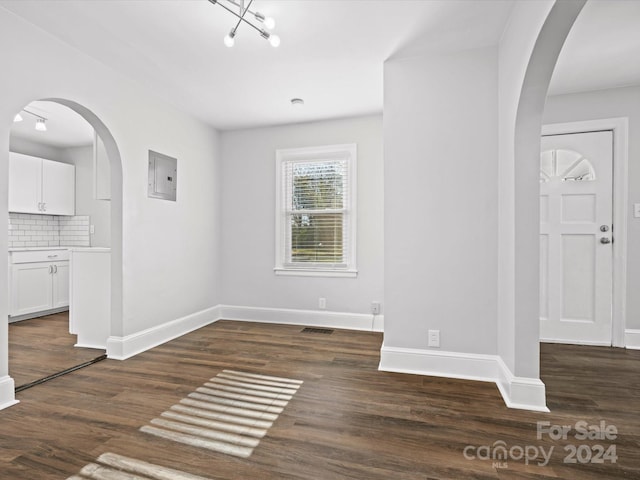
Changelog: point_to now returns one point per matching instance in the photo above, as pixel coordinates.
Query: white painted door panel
(60, 285)
(25, 180)
(31, 288)
(58, 188)
(575, 266)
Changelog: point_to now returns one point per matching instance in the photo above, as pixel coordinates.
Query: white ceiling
(602, 49)
(331, 55)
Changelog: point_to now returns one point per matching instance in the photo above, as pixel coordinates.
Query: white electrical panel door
(25, 181)
(58, 188)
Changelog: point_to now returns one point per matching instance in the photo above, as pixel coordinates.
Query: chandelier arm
(240, 18)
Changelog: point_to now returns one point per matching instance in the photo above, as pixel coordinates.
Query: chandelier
(255, 19)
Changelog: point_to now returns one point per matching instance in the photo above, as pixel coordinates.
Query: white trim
(524, 393)
(348, 152)
(314, 318)
(7, 392)
(299, 272)
(632, 339)
(574, 342)
(620, 128)
(121, 348)
(517, 392)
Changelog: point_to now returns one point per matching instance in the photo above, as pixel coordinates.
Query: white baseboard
(632, 339)
(121, 348)
(517, 392)
(575, 342)
(524, 393)
(315, 318)
(7, 392)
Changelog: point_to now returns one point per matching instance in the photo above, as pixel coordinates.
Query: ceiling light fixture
(40, 125)
(268, 22)
(40, 120)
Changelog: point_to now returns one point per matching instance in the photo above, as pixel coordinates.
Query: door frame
(620, 128)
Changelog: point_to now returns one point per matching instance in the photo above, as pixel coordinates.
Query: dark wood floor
(42, 346)
(347, 421)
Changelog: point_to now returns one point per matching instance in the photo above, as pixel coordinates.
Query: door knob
(605, 240)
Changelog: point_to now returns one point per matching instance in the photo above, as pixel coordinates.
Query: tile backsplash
(26, 230)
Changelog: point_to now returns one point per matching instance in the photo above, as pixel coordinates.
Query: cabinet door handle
(56, 268)
(50, 269)
(44, 207)
(39, 206)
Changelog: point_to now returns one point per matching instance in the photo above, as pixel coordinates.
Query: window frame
(346, 152)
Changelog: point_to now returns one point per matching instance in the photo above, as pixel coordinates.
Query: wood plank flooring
(347, 421)
(42, 346)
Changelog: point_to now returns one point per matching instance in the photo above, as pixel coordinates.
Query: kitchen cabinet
(40, 186)
(38, 282)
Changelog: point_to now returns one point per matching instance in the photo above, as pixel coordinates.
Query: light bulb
(40, 125)
(269, 22)
(229, 39)
(274, 40)
(17, 118)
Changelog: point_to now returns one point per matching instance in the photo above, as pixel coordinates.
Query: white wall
(170, 250)
(248, 218)
(98, 210)
(27, 147)
(441, 211)
(618, 102)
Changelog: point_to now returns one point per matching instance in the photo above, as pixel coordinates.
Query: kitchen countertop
(90, 249)
(73, 249)
(35, 249)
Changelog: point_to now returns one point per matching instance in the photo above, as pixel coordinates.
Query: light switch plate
(636, 210)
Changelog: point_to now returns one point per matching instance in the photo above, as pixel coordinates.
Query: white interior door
(576, 254)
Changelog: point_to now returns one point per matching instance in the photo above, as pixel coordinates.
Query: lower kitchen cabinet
(38, 282)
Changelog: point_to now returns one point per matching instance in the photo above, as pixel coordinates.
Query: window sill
(316, 272)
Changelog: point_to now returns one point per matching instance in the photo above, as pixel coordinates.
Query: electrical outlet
(375, 308)
(434, 338)
(636, 210)
(322, 303)
(92, 229)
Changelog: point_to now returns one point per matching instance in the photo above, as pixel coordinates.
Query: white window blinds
(316, 209)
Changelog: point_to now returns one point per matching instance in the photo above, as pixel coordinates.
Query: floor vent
(325, 331)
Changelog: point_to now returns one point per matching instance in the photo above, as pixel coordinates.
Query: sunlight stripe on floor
(229, 414)
(110, 466)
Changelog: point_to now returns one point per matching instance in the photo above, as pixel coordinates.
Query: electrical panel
(163, 176)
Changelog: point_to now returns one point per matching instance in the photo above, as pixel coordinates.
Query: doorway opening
(583, 234)
(75, 164)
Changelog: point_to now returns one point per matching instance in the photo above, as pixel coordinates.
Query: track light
(40, 120)
(268, 22)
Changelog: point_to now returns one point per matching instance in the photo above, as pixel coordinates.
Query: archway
(7, 396)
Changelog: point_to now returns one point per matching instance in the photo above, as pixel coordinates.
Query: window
(315, 211)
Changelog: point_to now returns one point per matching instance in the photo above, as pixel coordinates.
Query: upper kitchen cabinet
(40, 186)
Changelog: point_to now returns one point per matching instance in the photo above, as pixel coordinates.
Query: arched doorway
(7, 396)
